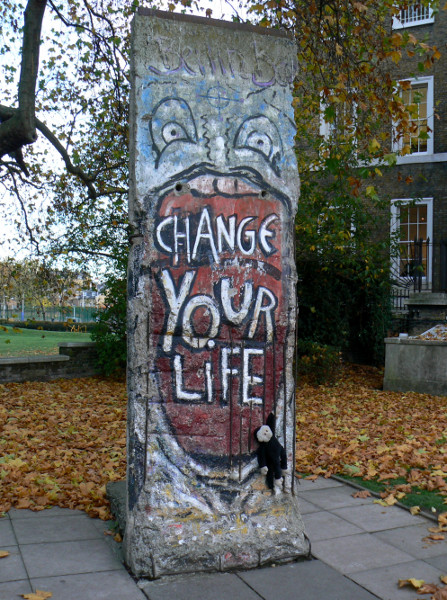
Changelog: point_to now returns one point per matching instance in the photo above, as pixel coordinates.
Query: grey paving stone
(324, 525)
(303, 485)
(108, 585)
(14, 589)
(411, 540)
(7, 537)
(56, 511)
(69, 558)
(374, 517)
(307, 580)
(56, 529)
(384, 581)
(307, 507)
(440, 562)
(12, 567)
(219, 586)
(334, 497)
(358, 552)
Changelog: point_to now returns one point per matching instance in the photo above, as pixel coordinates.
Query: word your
(178, 301)
(254, 64)
(175, 235)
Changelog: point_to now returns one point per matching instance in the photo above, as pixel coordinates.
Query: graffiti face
(217, 235)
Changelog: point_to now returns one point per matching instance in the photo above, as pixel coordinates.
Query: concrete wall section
(75, 359)
(212, 305)
(413, 365)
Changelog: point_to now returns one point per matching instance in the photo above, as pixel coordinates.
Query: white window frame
(398, 203)
(397, 23)
(398, 145)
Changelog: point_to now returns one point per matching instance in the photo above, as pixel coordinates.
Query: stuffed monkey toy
(272, 458)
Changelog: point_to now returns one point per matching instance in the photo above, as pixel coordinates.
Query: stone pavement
(360, 550)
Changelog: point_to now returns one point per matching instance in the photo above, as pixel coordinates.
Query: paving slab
(307, 580)
(331, 498)
(439, 562)
(12, 566)
(219, 586)
(384, 581)
(358, 552)
(303, 485)
(374, 517)
(307, 507)
(324, 525)
(411, 539)
(109, 585)
(7, 537)
(14, 589)
(56, 529)
(55, 511)
(68, 558)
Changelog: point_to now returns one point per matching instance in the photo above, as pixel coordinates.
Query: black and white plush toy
(272, 458)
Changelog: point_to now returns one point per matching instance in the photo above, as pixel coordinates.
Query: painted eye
(172, 123)
(260, 142)
(261, 135)
(173, 131)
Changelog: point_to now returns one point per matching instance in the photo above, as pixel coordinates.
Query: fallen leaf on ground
(118, 538)
(443, 578)
(404, 432)
(436, 536)
(428, 588)
(362, 494)
(62, 441)
(440, 594)
(4, 553)
(37, 595)
(415, 583)
(415, 510)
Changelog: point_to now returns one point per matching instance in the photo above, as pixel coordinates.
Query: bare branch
(25, 215)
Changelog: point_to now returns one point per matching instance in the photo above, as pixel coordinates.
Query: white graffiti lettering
(179, 301)
(175, 235)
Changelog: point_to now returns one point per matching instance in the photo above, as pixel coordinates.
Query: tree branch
(20, 128)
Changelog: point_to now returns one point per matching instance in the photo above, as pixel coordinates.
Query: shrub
(110, 331)
(318, 363)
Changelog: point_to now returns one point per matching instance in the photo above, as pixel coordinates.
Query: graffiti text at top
(253, 65)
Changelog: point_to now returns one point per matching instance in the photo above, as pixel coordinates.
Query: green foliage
(318, 363)
(110, 332)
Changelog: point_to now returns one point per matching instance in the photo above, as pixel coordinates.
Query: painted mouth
(218, 314)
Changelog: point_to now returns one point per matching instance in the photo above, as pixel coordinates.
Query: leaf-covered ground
(62, 441)
(355, 428)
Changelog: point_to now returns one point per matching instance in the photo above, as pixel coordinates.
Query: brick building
(417, 185)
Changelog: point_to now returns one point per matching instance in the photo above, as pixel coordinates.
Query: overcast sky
(221, 9)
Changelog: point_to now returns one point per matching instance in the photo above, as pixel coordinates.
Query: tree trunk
(20, 129)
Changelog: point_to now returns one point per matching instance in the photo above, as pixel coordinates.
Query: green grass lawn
(27, 342)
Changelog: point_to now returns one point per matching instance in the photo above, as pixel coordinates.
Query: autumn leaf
(362, 494)
(415, 510)
(37, 595)
(415, 583)
(443, 578)
(428, 588)
(4, 553)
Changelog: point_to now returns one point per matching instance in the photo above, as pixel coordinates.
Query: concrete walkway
(360, 550)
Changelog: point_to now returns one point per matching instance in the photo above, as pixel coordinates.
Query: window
(338, 120)
(413, 13)
(412, 226)
(418, 98)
